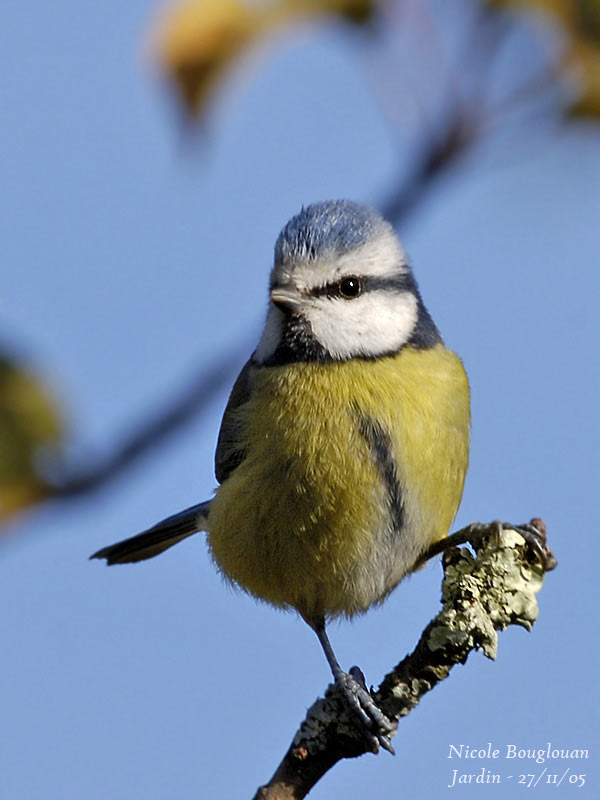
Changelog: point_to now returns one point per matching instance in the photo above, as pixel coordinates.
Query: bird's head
(341, 288)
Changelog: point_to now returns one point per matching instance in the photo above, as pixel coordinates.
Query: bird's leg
(534, 533)
(373, 723)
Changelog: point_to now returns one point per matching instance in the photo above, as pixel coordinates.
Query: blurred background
(149, 156)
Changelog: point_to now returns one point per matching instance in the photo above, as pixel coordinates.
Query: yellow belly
(304, 521)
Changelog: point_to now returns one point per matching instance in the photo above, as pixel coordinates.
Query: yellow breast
(305, 520)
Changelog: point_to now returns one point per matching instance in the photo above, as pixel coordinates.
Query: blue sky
(129, 260)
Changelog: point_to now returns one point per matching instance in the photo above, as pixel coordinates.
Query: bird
(344, 445)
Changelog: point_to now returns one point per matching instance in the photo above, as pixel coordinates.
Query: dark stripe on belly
(381, 448)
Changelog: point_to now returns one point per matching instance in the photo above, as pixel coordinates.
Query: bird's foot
(534, 533)
(373, 724)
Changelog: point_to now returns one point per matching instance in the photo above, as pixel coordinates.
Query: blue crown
(331, 227)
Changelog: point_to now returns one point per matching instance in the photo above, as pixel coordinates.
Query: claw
(370, 720)
(534, 533)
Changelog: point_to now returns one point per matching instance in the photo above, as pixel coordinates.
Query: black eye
(350, 287)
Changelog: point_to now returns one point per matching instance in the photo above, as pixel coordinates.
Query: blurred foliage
(199, 40)
(29, 424)
(579, 24)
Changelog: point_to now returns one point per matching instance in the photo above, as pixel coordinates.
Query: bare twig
(67, 481)
(440, 153)
(481, 595)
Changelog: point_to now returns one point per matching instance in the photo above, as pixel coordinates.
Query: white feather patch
(271, 335)
(375, 323)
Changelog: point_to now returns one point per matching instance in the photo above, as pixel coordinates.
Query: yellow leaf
(588, 103)
(356, 11)
(197, 41)
(29, 422)
(584, 57)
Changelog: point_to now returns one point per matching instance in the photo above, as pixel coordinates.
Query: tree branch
(67, 481)
(440, 152)
(481, 595)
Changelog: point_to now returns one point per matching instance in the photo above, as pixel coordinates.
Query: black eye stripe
(397, 283)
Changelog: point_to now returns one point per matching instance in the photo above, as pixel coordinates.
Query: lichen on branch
(486, 587)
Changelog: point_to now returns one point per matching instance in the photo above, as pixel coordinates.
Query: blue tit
(344, 445)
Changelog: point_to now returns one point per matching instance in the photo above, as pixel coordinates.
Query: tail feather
(159, 537)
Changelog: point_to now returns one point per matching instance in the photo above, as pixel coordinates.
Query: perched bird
(344, 445)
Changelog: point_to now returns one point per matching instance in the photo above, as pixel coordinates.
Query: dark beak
(286, 298)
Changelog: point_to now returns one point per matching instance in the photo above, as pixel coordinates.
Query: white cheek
(271, 335)
(376, 323)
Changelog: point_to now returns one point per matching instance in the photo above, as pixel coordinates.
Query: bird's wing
(173, 529)
(229, 454)
(159, 537)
